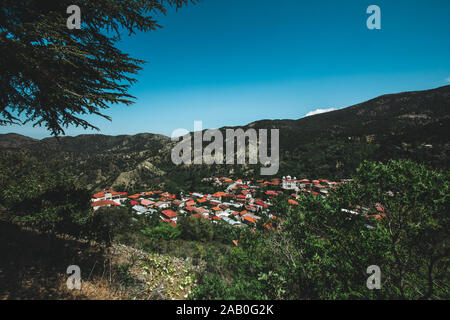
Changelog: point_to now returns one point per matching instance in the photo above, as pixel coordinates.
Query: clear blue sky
(237, 61)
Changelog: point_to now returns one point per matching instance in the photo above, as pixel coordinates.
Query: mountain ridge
(330, 144)
(445, 88)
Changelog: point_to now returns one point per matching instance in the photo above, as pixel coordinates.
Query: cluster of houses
(240, 203)
(320, 186)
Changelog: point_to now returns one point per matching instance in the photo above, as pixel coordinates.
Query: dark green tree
(196, 229)
(332, 249)
(322, 252)
(51, 75)
(108, 222)
(43, 197)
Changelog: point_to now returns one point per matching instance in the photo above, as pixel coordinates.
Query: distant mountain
(331, 145)
(14, 140)
(390, 126)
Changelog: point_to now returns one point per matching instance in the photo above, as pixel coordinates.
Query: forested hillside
(410, 125)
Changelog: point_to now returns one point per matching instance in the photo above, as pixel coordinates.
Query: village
(240, 203)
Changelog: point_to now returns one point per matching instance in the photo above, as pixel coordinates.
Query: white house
(117, 197)
(289, 183)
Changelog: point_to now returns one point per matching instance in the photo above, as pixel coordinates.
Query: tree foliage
(322, 252)
(43, 196)
(53, 76)
(196, 229)
(108, 222)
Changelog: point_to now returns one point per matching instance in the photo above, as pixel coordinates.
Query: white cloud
(318, 111)
(448, 79)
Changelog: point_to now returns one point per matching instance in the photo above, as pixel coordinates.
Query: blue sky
(229, 63)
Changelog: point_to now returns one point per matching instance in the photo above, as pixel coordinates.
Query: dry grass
(95, 289)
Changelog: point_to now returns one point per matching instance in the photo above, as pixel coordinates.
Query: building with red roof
(261, 203)
(103, 203)
(147, 203)
(170, 213)
(190, 203)
(249, 219)
(108, 195)
(189, 208)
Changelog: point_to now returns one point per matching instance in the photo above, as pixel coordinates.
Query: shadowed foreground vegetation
(33, 266)
(311, 251)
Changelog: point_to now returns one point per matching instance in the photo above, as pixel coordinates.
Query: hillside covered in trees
(410, 125)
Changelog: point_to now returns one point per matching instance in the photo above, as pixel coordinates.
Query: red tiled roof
(102, 203)
(146, 202)
(219, 194)
(169, 213)
(250, 219)
(101, 194)
(261, 203)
